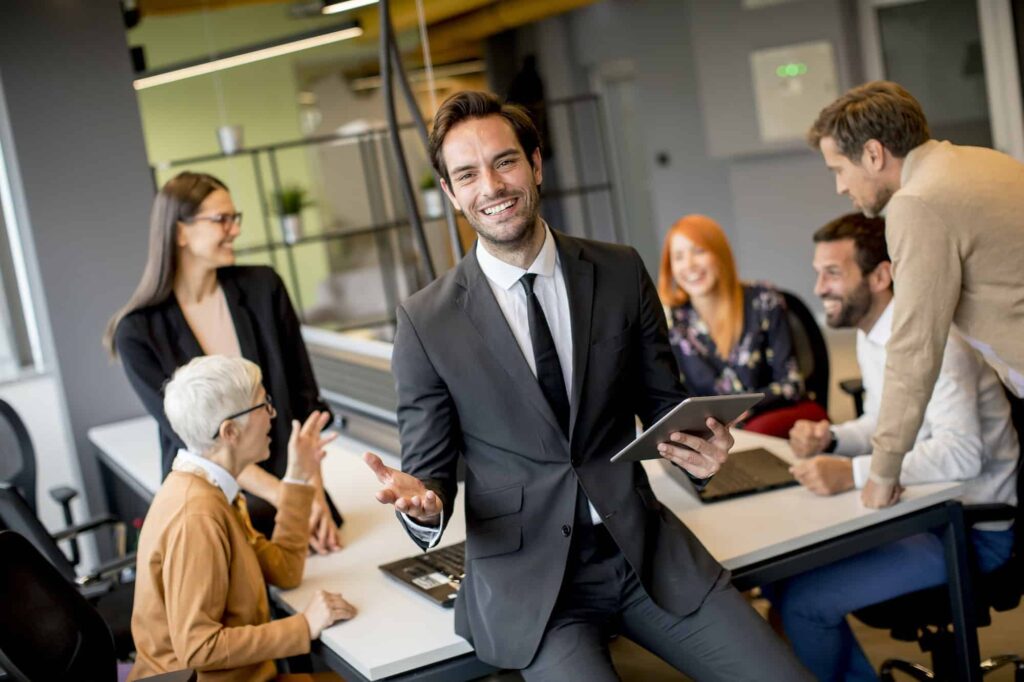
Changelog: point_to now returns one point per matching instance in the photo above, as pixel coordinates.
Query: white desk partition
(397, 631)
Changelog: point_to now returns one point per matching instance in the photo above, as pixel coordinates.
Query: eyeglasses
(267, 403)
(225, 220)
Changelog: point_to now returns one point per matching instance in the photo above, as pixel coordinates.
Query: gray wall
(66, 79)
(782, 192)
(692, 77)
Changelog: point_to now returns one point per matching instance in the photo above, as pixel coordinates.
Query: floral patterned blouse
(763, 359)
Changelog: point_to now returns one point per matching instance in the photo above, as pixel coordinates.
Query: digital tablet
(688, 416)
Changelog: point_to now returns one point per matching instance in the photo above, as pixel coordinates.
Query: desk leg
(961, 596)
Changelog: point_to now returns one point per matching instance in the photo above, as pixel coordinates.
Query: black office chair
(48, 631)
(18, 466)
(810, 348)
(924, 616)
(112, 598)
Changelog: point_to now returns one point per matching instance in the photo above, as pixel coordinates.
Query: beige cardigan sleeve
(283, 558)
(927, 272)
(195, 583)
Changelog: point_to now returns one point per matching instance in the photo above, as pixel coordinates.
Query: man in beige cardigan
(200, 595)
(955, 229)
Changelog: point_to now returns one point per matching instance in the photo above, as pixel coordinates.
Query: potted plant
(289, 202)
(432, 206)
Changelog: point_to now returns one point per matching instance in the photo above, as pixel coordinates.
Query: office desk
(774, 535)
(398, 635)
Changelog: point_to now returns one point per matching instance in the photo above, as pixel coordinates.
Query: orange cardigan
(200, 595)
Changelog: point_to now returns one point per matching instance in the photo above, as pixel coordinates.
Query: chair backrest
(48, 631)
(17, 456)
(15, 515)
(810, 348)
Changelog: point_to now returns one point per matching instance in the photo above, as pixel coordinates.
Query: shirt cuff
(861, 470)
(427, 534)
(295, 481)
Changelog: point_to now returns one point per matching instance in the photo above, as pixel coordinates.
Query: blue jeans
(814, 605)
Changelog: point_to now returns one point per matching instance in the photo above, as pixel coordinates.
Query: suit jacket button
(566, 530)
(575, 461)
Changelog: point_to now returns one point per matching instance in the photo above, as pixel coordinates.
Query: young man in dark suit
(530, 360)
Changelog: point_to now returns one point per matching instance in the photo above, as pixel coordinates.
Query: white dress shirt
(966, 434)
(549, 288)
(216, 474)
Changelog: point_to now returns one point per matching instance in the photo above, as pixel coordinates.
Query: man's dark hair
(868, 235)
(879, 110)
(469, 104)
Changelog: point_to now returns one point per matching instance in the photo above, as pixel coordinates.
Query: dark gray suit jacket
(465, 389)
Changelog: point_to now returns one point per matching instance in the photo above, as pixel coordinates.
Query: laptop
(435, 575)
(745, 472)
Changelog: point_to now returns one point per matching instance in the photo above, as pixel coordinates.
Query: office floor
(1002, 637)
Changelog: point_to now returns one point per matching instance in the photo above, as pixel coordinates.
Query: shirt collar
(506, 275)
(882, 329)
(220, 476)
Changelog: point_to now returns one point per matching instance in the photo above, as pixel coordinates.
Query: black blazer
(465, 390)
(154, 341)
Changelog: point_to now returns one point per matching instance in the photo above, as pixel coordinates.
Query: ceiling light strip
(248, 57)
(346, 5)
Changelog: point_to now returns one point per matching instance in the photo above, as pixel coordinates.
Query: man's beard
(854, 306)
(522, 233)
(879, 203)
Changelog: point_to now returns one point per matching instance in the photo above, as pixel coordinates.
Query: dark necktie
(552, 384)
(549, 370)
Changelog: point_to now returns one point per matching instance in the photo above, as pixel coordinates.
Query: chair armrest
(63, 494)
(852, 387)
(187, 675)
(78, 529)
(981, 513)
(107, 568)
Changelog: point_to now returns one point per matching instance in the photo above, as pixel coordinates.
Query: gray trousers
(723, 640)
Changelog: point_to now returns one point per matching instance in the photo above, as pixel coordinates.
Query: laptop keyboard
(448, 560)
(736, 478)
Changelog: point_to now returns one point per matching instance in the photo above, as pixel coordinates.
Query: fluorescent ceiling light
(445, 71)
(249, 55)
(346, 5)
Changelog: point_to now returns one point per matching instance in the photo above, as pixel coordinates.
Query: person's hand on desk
(326, 609)
(824, 474)
(305, 451)
(323, 533)
(699, 457)
(878, 495)
(808, 437)
(407, 493)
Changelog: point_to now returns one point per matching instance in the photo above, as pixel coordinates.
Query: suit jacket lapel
(579, 286)
(184, 338)
(477, 300)
(244, 328)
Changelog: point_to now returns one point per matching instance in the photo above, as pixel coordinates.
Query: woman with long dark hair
(193, 300)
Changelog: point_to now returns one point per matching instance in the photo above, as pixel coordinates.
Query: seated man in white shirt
(966, 436)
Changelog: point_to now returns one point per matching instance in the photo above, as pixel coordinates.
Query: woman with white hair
(200, 594)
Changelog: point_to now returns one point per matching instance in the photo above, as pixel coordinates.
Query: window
(19, 338)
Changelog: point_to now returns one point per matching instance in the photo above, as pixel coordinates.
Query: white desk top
(133, 446)
(745, 530)
(397, 631)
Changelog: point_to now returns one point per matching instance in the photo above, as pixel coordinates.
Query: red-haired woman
(727, 336)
